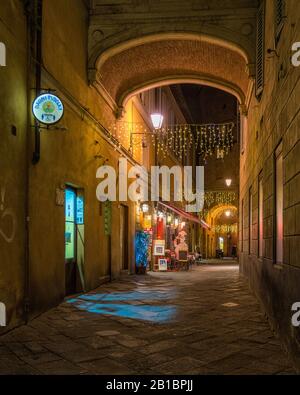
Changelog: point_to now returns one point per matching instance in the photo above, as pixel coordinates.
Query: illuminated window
(221, 243)
(279, 204)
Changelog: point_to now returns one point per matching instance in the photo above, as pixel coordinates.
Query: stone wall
(69, 156)
(272, 118)
(13, 176)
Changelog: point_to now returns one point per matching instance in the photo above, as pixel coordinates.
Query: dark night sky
(204, 104)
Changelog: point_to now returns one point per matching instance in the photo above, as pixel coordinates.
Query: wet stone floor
(204, 321)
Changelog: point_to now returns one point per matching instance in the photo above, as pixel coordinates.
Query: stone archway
(155, 45)
(163, 62)
(117, 25)
(217, 220)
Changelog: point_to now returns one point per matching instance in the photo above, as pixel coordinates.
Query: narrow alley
(149, 190)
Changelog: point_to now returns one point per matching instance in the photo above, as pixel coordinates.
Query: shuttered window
(260, 49)
(279, 18)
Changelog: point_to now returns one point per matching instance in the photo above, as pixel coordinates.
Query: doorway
(207, 247)
(74, 241)
(221, 243)
(124, 234)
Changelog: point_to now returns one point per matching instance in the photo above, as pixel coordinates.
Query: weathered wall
(276, 116)
(13, 112)
(68, 158)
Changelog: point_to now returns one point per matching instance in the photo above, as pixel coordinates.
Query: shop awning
(184, 214)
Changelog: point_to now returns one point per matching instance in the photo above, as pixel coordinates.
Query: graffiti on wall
(8, 221)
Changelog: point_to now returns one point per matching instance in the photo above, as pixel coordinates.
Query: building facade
(56, 237)
(269, 173)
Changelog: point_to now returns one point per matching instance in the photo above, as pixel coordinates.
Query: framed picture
(159, 248)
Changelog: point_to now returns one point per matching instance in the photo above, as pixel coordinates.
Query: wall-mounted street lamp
(161, 215)
(145, 208)
(228, 182)
(157, 117)
(157, 120)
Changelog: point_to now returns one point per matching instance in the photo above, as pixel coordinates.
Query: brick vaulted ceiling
(183, 60)
(135, 44)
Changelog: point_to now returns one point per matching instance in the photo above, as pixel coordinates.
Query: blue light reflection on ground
(127, 296)
(97, 304)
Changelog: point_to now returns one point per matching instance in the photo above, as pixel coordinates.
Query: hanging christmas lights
(225, 228)
(179, 139)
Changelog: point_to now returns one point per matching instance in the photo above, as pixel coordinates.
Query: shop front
(167, 238)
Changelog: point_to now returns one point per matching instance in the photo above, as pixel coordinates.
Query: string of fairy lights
(179, 139)
(225, 228)
(219, 197)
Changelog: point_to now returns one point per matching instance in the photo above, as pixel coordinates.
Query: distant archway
(218, 210)
(174, 80)
(225, 230)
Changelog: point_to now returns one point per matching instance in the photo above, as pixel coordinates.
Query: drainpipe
(38, 23)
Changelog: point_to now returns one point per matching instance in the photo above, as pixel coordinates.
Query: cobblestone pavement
(200, 322)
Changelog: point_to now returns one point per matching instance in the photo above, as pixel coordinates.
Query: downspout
(33, 12)
(38, 25)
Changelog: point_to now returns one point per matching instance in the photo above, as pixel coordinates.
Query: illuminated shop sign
(48, 109)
